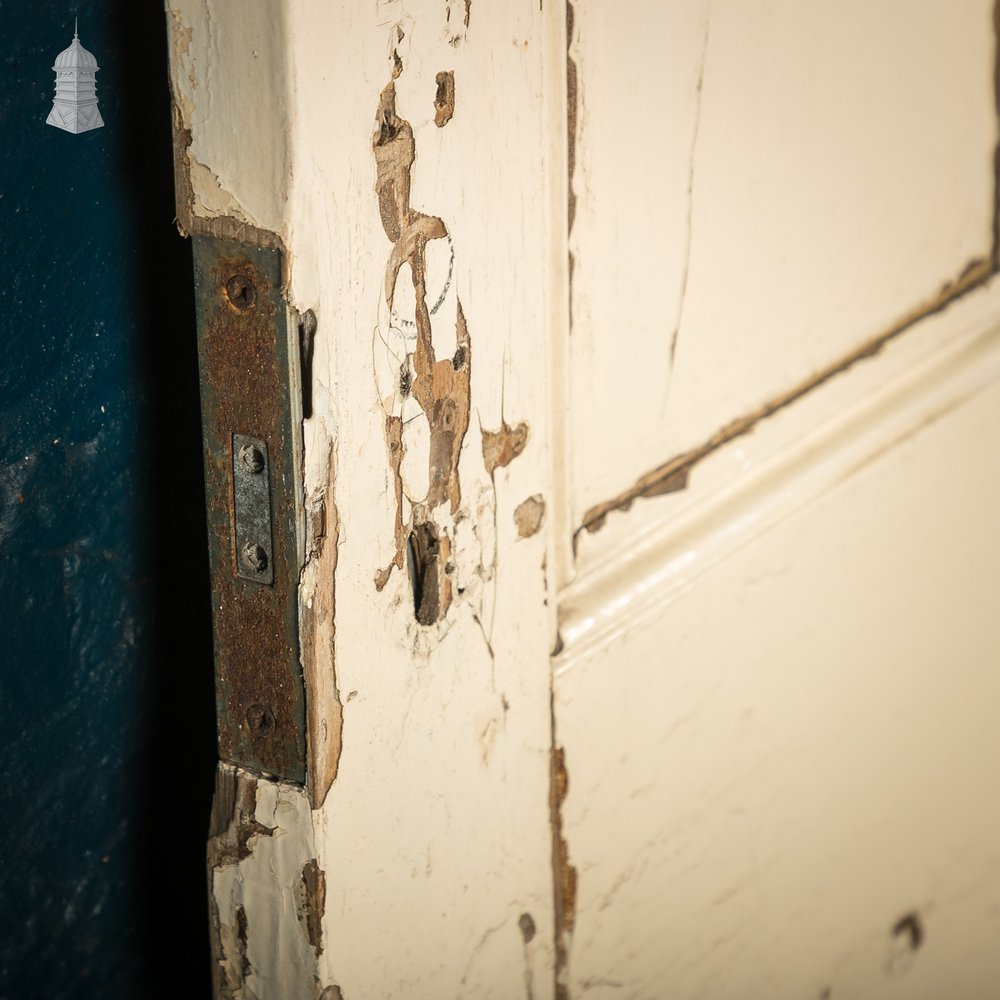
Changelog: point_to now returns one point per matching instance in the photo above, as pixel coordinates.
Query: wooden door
(630, 379)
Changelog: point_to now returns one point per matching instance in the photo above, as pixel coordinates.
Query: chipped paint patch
(456, 21)
(310, 903)
(501, 447)
(213, 199)
(673, 475)
(572, 104)
(426, 399)
(259, 851)
(444, 98)
(189, 222)
(528, 516)
(318, 605)
(233, 965)
(564, 877)
(229, 177)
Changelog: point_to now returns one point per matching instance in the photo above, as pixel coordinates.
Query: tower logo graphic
(75, 106)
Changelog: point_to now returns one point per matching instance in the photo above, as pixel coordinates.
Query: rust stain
(310, 903)
(528, 515)
(444, 98)
(440, 387)
(501, 447)
(673, 475)
(244, 389)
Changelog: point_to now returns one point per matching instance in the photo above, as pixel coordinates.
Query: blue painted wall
(106, 697)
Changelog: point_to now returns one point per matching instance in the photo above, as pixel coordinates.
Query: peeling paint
(311, 903)
(564, 877)
(318, 604)
(444, 98)
(233, 963)
(995, 249)
(438, 389)
(260, 880)
(906, 939)
(673, 475)
(528, 515)
(456, 19)
(213, 198)
(501, 447)
(427, 554)
(234, 824)
(572, 103)
(222, 226)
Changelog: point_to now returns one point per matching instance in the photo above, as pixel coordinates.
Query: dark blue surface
(106, 693)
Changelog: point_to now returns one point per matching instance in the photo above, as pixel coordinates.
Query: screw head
(252, 458)
(254, 557)
(240, 292)
(260, 720)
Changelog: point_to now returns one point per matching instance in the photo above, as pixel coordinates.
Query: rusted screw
(255, 557)
(241, 292)
(252, 458)
(260, 720)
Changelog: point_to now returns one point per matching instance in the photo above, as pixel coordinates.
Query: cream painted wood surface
(774, 691)
(401, 161)
(800, 691)
(760, 188)
(764, 737)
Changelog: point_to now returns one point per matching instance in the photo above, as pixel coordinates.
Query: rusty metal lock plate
(251, 423)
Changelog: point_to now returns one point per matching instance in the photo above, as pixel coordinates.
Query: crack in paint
(673, 475)
(682, 300)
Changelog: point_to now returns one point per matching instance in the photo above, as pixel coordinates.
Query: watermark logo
(75, 106)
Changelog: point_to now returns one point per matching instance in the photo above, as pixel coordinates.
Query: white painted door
(645, 506)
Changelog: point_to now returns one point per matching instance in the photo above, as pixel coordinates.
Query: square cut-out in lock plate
(252, 509)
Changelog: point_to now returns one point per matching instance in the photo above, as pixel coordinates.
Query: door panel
(760, 190)
(561, 743)
(781, 775)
